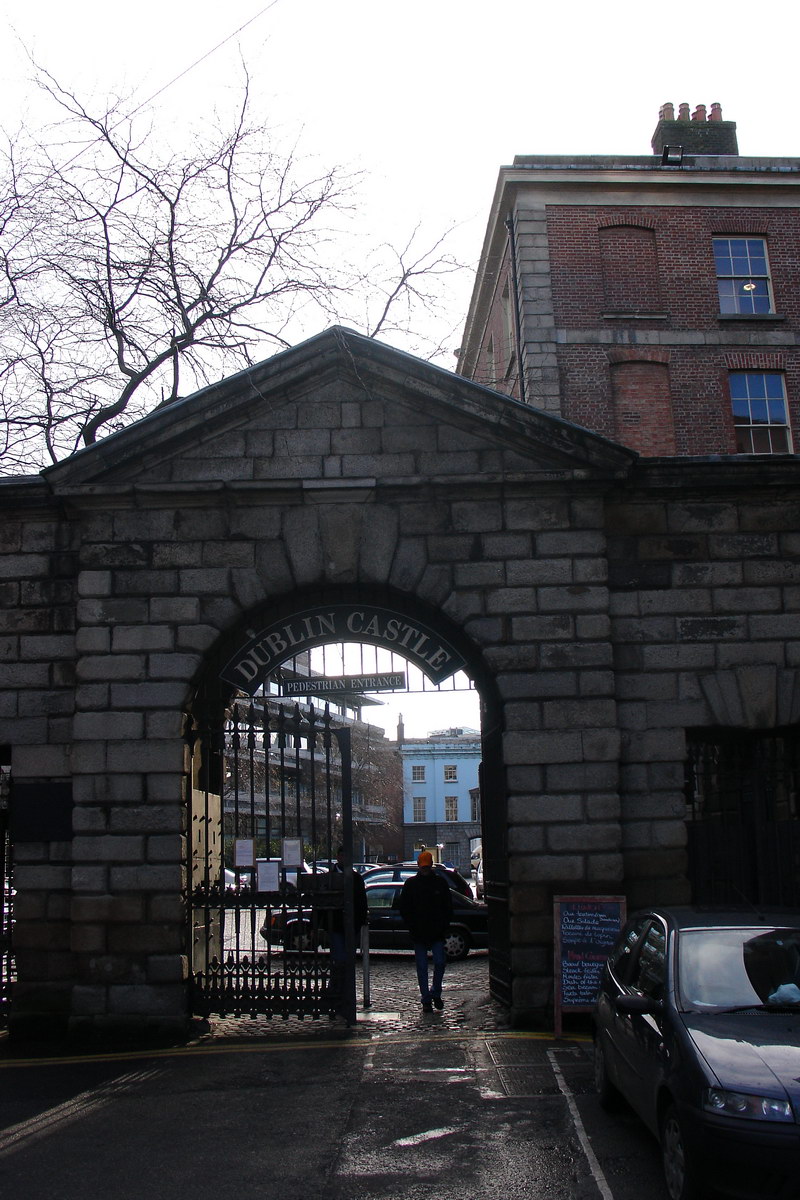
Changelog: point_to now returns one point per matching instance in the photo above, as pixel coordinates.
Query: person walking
(427, 909)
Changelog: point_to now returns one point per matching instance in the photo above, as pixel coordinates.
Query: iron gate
(744, 817)
(6, 921)
(271, 787)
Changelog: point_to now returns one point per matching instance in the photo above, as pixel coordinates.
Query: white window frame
(451, 773)
(451, 808)
(418, 773)
(419, 806)
(744, 287)
(755, 415)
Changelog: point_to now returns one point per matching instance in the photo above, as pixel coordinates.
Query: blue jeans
(428, 991)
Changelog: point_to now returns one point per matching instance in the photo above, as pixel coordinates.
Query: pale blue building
(441, 793)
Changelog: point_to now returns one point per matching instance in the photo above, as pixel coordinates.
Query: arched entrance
(271, 781)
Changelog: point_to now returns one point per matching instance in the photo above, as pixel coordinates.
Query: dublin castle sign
(271, 646)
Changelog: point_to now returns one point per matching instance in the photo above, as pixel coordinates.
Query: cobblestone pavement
(395, 1005)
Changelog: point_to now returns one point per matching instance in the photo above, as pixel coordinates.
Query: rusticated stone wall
(607, 606)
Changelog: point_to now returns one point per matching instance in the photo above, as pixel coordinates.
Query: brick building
(653, 299)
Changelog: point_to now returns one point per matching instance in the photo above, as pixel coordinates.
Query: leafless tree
(130, 271)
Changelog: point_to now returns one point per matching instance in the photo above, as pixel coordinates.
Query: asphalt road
(404, 1106)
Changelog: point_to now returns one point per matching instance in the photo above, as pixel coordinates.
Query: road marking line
(18, 1136)
(583, 1138)
(430, 1135)
(352, 1041)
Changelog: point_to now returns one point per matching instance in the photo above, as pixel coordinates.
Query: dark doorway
(744, 816)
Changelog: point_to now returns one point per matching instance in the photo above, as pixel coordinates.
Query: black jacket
(360, 910)
(426, 906)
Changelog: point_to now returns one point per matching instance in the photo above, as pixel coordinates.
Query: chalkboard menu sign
(586, 928)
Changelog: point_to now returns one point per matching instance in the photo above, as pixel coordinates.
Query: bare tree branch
(126, 266)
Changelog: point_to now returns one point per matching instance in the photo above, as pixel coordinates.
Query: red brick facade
(618, 301)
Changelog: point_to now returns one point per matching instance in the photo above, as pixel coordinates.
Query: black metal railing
(743, 798)
(270, 786)
(7, 967)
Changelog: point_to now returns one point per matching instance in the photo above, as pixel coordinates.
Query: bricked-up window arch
(642, 407)
(629, 259)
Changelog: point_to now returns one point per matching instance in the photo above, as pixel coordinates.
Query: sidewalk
(403, 1105)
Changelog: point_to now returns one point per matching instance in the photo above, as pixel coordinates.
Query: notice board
(586, 928)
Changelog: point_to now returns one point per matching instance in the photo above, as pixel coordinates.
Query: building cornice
(609, 181)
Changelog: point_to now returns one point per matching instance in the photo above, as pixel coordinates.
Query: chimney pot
(695, 134)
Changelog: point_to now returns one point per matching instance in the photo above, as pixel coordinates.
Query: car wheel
(607, 1094)
(456, 944)
(680, 1172)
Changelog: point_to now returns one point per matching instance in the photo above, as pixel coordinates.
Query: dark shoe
(427, 1006)
(438, 1002)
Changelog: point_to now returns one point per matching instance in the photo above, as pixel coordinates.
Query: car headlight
(742, 1104)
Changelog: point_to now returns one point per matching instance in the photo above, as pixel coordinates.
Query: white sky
(428, 97)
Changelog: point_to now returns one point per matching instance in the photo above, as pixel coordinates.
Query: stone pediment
(339, 407)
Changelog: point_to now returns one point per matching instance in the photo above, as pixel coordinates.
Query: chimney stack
(701, 133)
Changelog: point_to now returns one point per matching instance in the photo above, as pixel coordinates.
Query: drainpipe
(512, 245)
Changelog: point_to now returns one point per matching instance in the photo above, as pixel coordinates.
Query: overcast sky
(427, 97)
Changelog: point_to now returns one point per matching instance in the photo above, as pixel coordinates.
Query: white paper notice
(268, 875)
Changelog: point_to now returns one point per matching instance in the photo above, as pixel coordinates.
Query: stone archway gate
(599, 603)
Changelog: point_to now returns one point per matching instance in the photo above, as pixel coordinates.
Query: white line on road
(594, 1165)
(16, 1137)
(429, 1135)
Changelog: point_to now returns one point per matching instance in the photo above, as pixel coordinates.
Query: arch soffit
(275, 631)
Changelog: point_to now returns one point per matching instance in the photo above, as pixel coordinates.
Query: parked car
(479, 886)
(304, 927)
(697, 1025)
(328, 864)
(401, 871)
(387, 930)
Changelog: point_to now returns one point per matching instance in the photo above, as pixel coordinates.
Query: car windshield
(739, 968)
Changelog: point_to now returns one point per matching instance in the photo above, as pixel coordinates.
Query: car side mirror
(638, 1004)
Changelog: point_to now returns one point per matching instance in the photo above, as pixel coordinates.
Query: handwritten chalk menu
(586, 928)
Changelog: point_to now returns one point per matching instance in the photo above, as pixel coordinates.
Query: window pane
(722, 256)
(727, 296)
(761, 441)
(780, 441)
(757, 254)
(777, 412)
